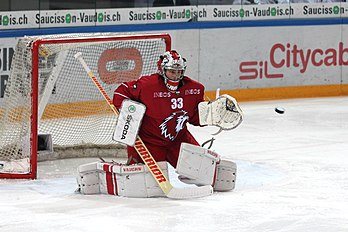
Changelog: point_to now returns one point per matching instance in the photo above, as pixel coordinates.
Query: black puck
(279, 110)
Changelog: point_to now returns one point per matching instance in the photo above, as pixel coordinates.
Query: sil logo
(131, 108)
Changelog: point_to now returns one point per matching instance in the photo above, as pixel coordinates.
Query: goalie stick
(144, 153)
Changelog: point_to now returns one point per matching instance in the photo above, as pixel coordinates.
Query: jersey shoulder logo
(172, 125)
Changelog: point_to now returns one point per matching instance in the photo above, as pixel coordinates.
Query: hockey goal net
(49, 92)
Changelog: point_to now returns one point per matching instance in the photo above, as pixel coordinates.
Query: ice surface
(292, 176)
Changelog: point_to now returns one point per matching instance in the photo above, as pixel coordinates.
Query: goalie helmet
(171, 60)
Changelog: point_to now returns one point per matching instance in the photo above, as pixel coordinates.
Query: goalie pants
(169, 153)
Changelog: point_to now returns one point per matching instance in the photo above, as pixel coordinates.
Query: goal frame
(35, 87)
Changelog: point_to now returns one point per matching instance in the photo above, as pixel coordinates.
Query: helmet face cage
(171, 60)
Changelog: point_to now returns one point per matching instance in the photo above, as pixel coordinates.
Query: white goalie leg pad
(119, 179)
(130, 180)
(197, 164)
(200, 166)
(226, 174)
(129, 121)
(88, 178)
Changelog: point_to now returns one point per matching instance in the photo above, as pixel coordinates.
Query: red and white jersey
(166, 112)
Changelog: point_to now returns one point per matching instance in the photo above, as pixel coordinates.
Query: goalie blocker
(200, 166)
(129, 121)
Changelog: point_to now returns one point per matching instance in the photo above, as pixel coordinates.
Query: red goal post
(49, 93)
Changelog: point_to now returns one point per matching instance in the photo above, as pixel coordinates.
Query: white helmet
(171, 60)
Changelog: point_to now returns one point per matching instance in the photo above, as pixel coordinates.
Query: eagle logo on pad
(172, 125)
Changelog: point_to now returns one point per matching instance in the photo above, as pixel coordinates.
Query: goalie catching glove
(224, 112)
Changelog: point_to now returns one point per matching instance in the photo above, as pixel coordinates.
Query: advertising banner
(229, 58)
(146, 15)
(264, 57)
(99, 17)
(66, 18)
(319, 10)
(248, 58)
(126, 16)
(7, 48)
(18, 19)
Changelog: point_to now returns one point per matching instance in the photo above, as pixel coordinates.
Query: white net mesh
(71, 108)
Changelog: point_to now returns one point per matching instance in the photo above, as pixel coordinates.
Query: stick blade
(186, 193)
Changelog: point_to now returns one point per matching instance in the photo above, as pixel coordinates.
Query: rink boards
(251, 60)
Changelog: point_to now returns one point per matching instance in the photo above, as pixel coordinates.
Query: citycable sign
(283, 56)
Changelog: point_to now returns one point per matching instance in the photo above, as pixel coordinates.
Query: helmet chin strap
(170, 84)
